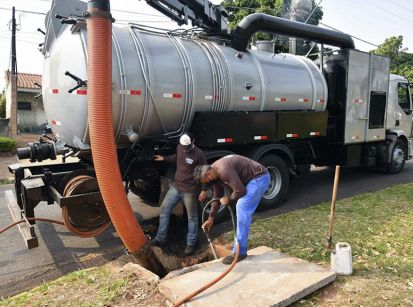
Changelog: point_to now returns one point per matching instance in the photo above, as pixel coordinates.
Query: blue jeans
(172, 198)
(246, 206)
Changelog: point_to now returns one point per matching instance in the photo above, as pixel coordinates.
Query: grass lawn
(99, 286)
(379, 228)
(6, 181)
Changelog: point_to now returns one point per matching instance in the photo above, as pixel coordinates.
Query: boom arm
(212, 18)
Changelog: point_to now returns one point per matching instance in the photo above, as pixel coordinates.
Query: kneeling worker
(187, 157)
(248, 181)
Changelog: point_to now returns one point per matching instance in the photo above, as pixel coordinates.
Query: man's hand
(202, 196)
(208, 224)
(158, 158)
(224, 201)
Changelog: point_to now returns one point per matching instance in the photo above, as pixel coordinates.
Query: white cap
(185, 140)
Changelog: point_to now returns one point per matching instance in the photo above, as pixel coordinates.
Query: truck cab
(399, 109)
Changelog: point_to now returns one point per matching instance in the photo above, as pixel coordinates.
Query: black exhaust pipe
(267, 23)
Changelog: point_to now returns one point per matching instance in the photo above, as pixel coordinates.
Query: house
(24, 107)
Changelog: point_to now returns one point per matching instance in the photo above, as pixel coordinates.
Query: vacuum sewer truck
(283, 110)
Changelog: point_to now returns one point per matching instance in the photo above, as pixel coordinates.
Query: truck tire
(221, 216)
(398, 158)
(280, 181)
(149, 192)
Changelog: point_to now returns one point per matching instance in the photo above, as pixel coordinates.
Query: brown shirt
(234, 172)
(186, 161)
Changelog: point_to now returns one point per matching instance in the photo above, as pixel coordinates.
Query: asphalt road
(59, 252)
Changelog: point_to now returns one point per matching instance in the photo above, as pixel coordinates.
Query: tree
(238, 9)
(2, 106)
(401, 60)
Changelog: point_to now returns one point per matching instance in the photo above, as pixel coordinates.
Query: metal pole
(13, 44)
(333, 207)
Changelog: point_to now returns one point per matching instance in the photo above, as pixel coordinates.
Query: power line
(401, 6)
(136, 13)
(23, 11)
(389, 12)
(132, 21)
(120, 11)
(19, 40)
(355, 37)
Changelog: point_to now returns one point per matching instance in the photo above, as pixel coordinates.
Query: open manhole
(171, 257)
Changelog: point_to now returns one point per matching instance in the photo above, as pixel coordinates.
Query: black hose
(234, 227)
(259, 22)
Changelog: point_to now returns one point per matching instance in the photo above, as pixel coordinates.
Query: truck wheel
(280, 181)
(221, 216)
(398, 158)
(148, 191)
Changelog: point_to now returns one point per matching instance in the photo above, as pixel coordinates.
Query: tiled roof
(27, 80)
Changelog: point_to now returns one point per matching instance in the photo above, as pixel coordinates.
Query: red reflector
(81, 92)
(176, 95)
(228, 140)
(55, 91)
(135, 92)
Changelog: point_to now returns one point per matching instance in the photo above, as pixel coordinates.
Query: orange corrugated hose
(105, 160)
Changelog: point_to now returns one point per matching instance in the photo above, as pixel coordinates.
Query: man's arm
(218, 192)
(170, 158)
(231, 178)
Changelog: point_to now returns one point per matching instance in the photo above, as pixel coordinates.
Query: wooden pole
(333, 207)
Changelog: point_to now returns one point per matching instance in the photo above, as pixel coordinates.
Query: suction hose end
(146, 258)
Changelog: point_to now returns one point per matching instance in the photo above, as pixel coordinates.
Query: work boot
(189, 250)
(228, 260)
(156, 242)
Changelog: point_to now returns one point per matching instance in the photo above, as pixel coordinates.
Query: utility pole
(12, 111)
(13, 44)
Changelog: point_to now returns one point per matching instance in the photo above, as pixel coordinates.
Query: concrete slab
(266, 278)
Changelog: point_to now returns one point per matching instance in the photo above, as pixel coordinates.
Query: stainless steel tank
(160, 81)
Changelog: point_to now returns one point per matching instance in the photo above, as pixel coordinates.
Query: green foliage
(7, 144)
(2, 106)
(238, 9)
(401, 59)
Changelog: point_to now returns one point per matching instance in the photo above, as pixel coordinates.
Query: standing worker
(187, 157)
(248, 181)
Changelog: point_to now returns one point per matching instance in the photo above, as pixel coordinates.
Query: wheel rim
(398, 156)
(275, 183)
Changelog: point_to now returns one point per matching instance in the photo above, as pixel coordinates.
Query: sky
(371, 20)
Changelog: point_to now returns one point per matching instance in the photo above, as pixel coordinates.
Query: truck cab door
(404, 117)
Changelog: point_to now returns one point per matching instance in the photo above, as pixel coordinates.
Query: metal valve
(80, 82)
